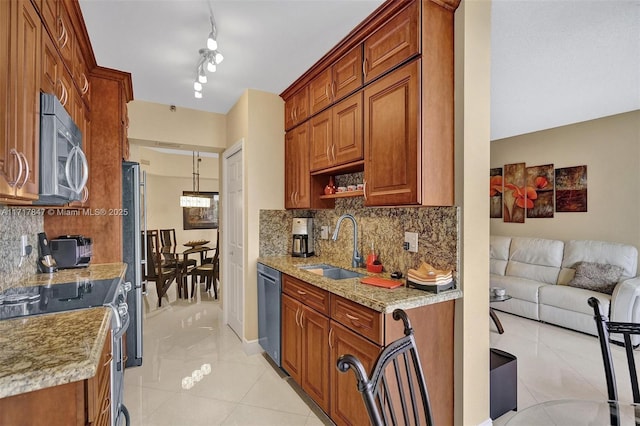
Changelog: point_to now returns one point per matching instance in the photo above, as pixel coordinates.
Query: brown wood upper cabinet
(297, 180)
(337, 81)
(296, 108)
(20, 94)
(336, 134)
(391, 131)
(392, 43)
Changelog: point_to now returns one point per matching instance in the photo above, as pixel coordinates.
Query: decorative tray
(196, 243)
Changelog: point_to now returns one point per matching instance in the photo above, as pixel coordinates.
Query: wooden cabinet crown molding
(111, 74)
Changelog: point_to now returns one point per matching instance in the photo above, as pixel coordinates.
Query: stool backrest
(396, 393)
(626, 329)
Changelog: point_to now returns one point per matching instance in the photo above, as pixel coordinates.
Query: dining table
(578, 412)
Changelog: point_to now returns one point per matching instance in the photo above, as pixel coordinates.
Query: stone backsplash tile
(15, 222)
(437, 229)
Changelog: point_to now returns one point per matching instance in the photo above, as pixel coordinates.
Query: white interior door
(233, 237)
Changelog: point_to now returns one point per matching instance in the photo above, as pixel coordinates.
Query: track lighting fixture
(210, 58)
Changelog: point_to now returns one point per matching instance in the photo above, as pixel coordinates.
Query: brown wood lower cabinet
(85, 402)
(305, 349)
(318, 327)
(347, 407)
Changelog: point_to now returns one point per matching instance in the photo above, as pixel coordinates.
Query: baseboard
(251, 347)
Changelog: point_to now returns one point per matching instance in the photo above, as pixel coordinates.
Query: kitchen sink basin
(331, 271)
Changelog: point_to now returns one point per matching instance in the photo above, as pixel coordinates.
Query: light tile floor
(186, 338)
(556, 363)
(183, 337)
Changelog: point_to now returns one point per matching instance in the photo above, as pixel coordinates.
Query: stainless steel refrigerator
(133, 224)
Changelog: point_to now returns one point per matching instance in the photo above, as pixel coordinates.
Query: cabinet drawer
(364, 321)
(308, 294)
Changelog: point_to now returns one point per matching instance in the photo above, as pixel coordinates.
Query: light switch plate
(324, 232)
(412, 239)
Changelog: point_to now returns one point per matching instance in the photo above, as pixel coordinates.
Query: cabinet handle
(351, 317)
(20, 170)
(301, 293)
(364, 189)
(331, 338)
(333, 152)
(297, 312)
(328, 158)
(301, 318)
(85, 194)
(333, 89)
(364, 68)
(295, 114)
(63, 34)
(326, 91)
(27, 169)
(85, 86)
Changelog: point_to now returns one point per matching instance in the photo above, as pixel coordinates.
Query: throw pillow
(600, 277)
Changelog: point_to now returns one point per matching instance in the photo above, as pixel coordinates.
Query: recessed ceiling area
(552, 62)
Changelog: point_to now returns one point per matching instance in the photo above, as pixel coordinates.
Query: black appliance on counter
(71, 251)
(81, 294)
(64, 169)
(133, 225)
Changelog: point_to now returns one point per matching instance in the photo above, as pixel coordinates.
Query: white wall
(610, 147)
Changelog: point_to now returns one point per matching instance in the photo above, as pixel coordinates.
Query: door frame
(237, 147)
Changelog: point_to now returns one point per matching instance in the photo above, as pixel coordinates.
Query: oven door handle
(118, 334)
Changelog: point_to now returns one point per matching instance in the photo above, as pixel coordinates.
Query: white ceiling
(553, 62)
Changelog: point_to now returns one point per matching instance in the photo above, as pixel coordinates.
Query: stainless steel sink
(331, 271)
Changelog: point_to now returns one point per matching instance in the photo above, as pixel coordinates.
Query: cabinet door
(391, 138)
(393, 43)
(66, 36)
(51, 66)
(347, 141)
(347, 73)
(297, 180)
(49, 14)
(320, 95)
(27, 97)
(296, 108)
(6, 113)
(291, 338)
(320, 140)
(347, 407)
(315, 356)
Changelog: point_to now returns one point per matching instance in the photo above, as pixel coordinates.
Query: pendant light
(195, 199)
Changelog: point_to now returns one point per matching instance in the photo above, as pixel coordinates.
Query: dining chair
(168, 237)
(209, 270)
(157, 271)
(626, 329)
(396, 393)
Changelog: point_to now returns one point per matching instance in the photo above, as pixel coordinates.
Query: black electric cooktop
(46, 299)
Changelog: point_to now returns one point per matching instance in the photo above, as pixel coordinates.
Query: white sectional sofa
(536, 272)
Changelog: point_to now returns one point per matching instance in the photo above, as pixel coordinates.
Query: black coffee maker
(302, 230)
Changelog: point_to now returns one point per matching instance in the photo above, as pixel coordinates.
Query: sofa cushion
(622, 255)
(572, 299)
(599, 277)
(518, 288)
(498, 254)
(535, 259)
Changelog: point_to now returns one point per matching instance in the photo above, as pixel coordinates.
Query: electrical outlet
(324, 232)
(411, 238)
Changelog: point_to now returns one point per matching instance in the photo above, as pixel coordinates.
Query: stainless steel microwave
(64, 170)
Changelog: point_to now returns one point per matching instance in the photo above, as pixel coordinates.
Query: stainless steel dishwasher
(269, 290)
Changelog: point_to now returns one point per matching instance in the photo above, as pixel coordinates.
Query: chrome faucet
(356, 259)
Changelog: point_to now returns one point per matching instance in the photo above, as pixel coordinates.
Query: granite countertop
(49, 350)
(377, 298)
(40, 351)
(96, 272)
